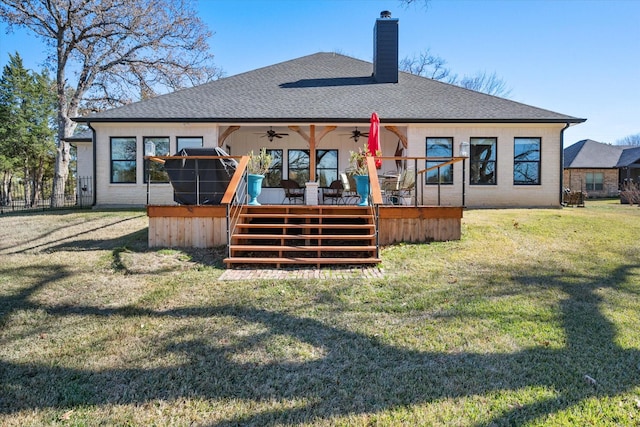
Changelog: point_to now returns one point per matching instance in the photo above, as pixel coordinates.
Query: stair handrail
(235, 197)
(376, 197)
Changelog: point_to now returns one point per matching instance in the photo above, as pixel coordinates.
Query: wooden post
(312, 152)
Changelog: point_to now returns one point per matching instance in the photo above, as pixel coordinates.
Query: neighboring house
(629, 166)
(600, 169)
(315, 104)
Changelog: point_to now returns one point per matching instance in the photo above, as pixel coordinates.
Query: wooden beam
(226, 133)
(394, 130)
(300, 132)
(325, 131)
(312, 153)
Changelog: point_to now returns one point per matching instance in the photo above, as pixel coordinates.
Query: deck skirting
(206, 226)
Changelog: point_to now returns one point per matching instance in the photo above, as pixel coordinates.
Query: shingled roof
(327, 87)
(590, 154)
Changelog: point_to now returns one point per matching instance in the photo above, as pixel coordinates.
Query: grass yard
(533, 318)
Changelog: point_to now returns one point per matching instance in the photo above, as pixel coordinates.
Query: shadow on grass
(71, 242)
(354, 373)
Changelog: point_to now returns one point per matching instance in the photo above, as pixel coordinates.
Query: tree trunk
(37, 183)
(26, 183)
(63, 158)
(5, 197)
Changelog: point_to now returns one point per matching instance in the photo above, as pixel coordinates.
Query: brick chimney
(385, 49)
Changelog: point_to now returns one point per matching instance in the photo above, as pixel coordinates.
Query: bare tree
(119, 50)
(432, 66)
(481, 82)
(407, 3)
(629, 140)
(427, 65)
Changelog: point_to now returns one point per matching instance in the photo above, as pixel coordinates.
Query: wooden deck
(206, 226)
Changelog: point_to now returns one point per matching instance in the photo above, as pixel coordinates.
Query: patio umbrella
(374, 138)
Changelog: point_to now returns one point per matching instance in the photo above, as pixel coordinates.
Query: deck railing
(419, 180)
(235, 197)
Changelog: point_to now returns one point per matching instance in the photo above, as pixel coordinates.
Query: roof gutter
(260, 120)
(562, 161)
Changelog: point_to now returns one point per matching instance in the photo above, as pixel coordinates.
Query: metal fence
(19, 198)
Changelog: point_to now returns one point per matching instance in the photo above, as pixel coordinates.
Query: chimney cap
(385, 14)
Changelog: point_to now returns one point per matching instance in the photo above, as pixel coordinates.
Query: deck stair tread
(307, 225)
(302, 248)
(326, 235)
(305, 236)
(307, 216)
(301, 260)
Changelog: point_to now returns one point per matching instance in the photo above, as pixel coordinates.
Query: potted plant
(358, 160)
(257, 167)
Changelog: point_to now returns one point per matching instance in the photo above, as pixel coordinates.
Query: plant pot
(362, 188)
(254, 188)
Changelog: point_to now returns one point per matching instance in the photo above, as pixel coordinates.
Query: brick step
(301, 261)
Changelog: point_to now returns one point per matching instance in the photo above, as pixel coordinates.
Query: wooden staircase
(303, 235)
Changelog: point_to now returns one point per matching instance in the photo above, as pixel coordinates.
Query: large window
(274, 175)
(183, 142)
(482, 161)
(153, 170)
(526, 161)
(439, 147)
(595, 181)
(299, 166)
(326, 167)
(123, 159)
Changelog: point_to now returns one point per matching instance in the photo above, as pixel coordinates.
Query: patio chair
(348, 188)
(333, 192)
(406, 185)
(292, 191)
(389, 190)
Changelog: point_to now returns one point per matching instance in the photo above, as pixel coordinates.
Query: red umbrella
(374, 138)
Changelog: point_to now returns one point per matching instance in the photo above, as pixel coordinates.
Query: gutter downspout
(562, 160)
(94, 184)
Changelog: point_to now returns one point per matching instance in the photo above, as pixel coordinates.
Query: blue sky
(576, 57)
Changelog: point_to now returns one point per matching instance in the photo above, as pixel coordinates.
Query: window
(482, 160)
(299, 166)
(326, 167)
(595, 181)
(188, 142)
(439, 147)
(153, 170)
(273, 177)
(123, 160)
(526, 161)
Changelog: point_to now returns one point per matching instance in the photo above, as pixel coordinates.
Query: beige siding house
(314, 104)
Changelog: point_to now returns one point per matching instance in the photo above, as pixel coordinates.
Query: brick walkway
(325, 273)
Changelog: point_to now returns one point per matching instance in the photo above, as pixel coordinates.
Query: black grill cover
(200, 181)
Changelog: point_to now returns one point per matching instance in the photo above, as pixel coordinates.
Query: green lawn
(531, 319)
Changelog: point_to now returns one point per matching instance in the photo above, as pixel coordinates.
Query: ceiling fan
(356, 134)
(273, 134)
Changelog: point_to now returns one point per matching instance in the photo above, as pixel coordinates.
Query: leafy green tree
(27, 129)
